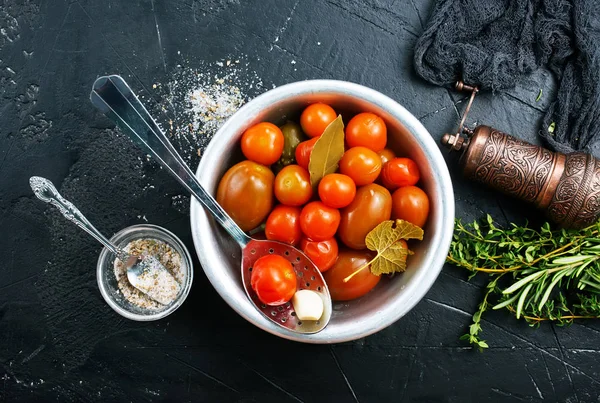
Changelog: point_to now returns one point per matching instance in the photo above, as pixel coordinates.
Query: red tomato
(386, 154)
(319, 222)
(367, 130)
(246, 193)
(348, 262)
(410, 203)
(371, 206)
(361, 164)
(315, 119)
(273, 280)
(400, 172)
(303, 152)
(322, 253)
(263, 143)
(337, 190)
(283, 225)
(292, 186)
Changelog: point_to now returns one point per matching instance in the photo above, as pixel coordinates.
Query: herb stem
(554, 273)
(469, 266)
(560, 318)
(361, 268)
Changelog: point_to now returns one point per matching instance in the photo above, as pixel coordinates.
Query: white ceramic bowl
(392, 298)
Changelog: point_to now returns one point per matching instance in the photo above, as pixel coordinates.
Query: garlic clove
(308, 305)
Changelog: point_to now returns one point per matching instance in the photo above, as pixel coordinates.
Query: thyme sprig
(545, 275)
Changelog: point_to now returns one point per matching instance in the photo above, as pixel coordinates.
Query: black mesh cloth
(494, 43)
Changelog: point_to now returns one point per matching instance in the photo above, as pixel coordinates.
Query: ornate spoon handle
(45, 191)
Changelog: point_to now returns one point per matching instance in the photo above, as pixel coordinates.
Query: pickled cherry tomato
(315, 119)
(400, 172)
(303, 152)
(337, 190)
(319, 222)
(273, 279)
(386, 154)
(361, 164)
(263, 143)
(410, 203)
(322, 253)
(348, 262)
(367, 130)
(283, 225)
(292, 186)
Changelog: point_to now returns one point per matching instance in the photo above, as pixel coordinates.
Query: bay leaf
(327, 152)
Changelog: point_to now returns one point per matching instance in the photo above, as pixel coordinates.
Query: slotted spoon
(112, 96)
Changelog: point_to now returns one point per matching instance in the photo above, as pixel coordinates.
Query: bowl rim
(105, 255)
(414, 291)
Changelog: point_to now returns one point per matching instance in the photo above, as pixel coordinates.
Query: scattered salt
(203, 98)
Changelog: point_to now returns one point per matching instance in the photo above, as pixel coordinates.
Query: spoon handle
(45, 191)
(115, 99)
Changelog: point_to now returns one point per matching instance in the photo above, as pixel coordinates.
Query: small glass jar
(107, 281)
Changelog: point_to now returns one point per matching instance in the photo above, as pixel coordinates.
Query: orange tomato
(283, 225)
(319, 222)
(386, 154)
(292, 186)
(337, 190)
(399, 172)
(315, 119)
(348, 262)
(361, 164)
(410, 203)
(368, 130)
(371, 206)
(322, 253)
(263, 143)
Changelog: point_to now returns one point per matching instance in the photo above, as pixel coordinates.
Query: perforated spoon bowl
(114, 98)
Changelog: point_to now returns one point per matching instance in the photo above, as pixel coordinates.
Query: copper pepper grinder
(565, 186)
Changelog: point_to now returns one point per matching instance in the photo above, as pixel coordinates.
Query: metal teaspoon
(145, 273)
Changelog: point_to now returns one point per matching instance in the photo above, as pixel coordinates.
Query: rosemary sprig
(545, 275)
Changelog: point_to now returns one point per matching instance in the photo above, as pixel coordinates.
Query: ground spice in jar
(167, 256)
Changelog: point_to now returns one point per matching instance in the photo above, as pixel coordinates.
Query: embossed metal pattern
(512, 166)
(46, 191)
(576, 202)
(568, 186)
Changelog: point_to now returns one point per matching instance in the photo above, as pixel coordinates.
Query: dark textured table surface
(60, 341)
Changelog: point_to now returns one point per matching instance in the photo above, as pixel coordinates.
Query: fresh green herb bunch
(545, 275)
